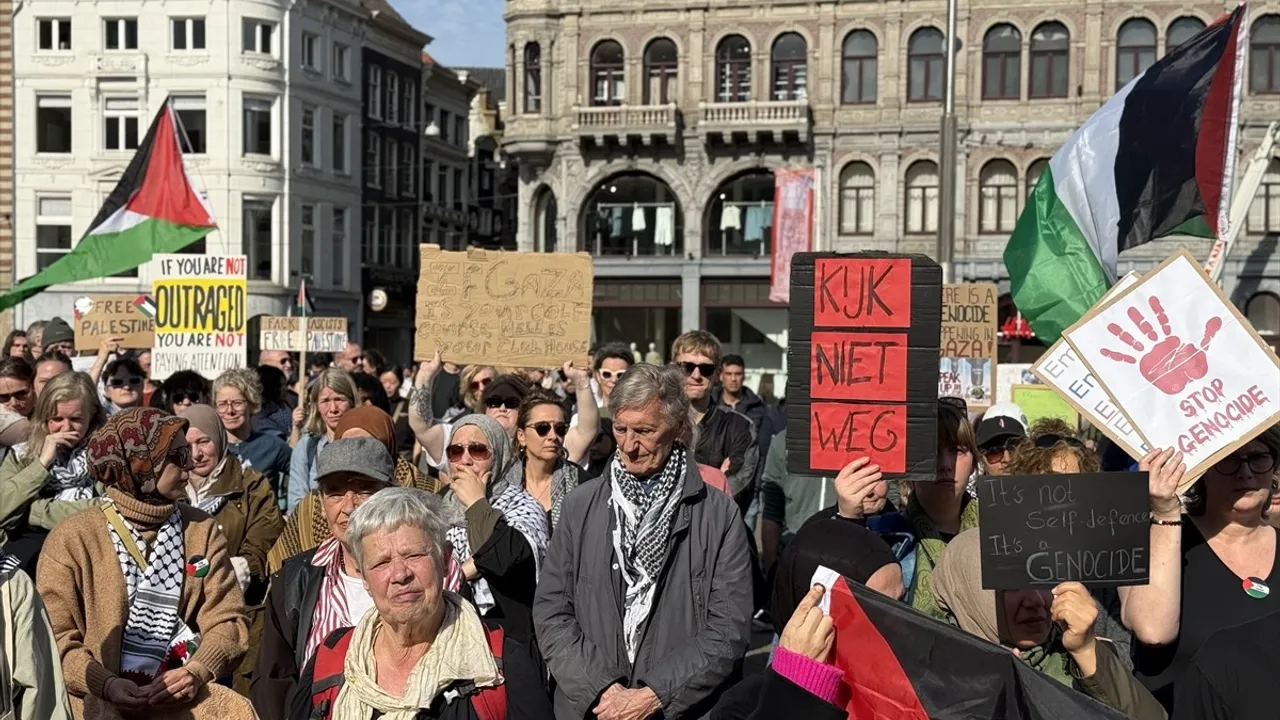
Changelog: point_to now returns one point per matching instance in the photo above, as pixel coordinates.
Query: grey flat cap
(355, 456)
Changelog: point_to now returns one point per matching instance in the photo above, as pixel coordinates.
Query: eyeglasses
(954, 402)
(475, 450)
(480, 384)
(705, 369)
(509, 403)
(611, 374)
(1044, 442)
(996, 453)
(20, 395)
(131, 381)
(232, 405)
(542, 428)
(341, 493)
(1259, 464)
(179, 455)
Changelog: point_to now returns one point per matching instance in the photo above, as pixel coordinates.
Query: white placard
(1182, 363)
(1010, 374)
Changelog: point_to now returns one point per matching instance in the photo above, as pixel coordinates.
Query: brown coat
(250, 519)
(80, 579)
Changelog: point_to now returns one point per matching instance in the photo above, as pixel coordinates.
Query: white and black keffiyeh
(155, 594)
(523, 513)
(212, 505)
(69, 477)
(643, 515)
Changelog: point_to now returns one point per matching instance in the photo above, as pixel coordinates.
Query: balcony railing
(754, 120)
(640, 124)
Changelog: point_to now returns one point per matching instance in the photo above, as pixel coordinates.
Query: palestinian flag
(305, 305)
(901, 665)
(1157, 159)
(152, 210)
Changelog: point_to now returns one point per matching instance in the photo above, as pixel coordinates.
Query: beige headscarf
(460, 652)
(957, 585)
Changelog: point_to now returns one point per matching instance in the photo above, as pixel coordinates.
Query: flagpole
(1246, 189)
(947, 155)
(306, 341)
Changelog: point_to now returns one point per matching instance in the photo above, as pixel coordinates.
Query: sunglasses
(542, 428)
(611, 374)
(179, 398)
(480, 384)
(131, 381)
(705, 369)
(996, 453)
(1044, 442)
(179, 455)
(509, 403)
(475, 450)
(19, 396)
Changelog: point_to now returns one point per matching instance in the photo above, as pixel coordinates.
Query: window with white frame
(389, 162)
(192, 123)
(338, 245)
(373, 160)
(392, 98)
(53, 34)
(339, 143)
(258, 135)
(53, 229)
(307, 239)
(188, 34)
(408, 99)
(857, 199)
(259, 36)
(53, 123)
(120, 126)
(258, 240)
(309, 43)
(120, 33)
(1264, 211)
(922, 197)
(997, 197)
(375, 92)
(408, 163)
(340, 68)
(309, 136)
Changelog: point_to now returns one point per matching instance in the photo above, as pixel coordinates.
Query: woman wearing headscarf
(307, 527)
(1050, 631)
(141, 594)
(244, 506)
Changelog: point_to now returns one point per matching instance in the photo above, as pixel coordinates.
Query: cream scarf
(459, 653)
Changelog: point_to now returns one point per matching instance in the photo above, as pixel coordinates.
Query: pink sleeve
(821, 680)
(713, 477)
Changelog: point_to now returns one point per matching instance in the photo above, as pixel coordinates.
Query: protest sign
(967, 356)
(99, 317)
(1039, 401)
(201, 306)
(1182, 364)
(1042, 530)
(500, 308)
(324, 334)
(1010, 374)
(863, 361)
(1060, 368)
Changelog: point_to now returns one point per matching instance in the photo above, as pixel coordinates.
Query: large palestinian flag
(901, 665)
(153, 209)
(1155, 160)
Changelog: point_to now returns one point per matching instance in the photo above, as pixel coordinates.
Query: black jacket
(769, 696)
(726, 434)
(291, 604)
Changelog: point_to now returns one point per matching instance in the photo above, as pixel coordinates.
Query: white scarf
(522, 512)
(69, 477)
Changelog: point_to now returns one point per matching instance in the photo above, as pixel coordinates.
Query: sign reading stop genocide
(1183, 364)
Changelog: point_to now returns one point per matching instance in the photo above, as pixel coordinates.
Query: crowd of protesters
(455, 542)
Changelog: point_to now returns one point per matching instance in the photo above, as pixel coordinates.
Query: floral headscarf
(129, 450)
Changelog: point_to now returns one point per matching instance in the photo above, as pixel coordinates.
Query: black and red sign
(863, 363)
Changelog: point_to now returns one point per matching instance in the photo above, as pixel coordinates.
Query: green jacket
(20, 501)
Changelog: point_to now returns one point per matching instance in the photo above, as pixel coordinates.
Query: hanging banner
(970, 339)
(200, 304)
(792, 226)
(863, 363)
(324, 334)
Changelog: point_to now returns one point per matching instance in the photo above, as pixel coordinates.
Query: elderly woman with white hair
(425, 654)
(645, 600)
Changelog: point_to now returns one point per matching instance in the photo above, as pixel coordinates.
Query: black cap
(995, 428)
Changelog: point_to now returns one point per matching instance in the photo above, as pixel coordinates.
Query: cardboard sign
(98, 317)
(498, 308)
(324, 334)
(1010, 374)
(1042, 530)
(201, 307)
(1039, 401)
(1182, 364)
(863, 358)
(970, 339)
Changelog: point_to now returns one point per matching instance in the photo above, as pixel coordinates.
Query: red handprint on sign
(1171, 364)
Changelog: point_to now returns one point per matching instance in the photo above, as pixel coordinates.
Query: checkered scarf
(523, 513)
(155, 593)
(643, 516)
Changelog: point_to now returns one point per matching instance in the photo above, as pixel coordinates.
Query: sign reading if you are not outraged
(864, 363)
(1042, 530)
(201, 305)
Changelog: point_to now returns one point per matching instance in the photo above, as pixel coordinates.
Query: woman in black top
(1212, 568)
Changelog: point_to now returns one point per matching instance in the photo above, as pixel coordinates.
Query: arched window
(661, 68)
(1263, 311)
(633, 214)
(532, 78)
(925, 65)
(1034, 172)
(790, 68)
(859, 53)
(1264, 211)
(1002, 63)
(1135, 50)
(1182, 30)
(922, 197)
(544, 224)
(733, 69)
(1050, 60)
(998, 197)
(1264, 55)
(740, 216)
(857, 199)
(608, 72)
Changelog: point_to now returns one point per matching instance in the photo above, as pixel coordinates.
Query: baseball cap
(364, 456)
(1001, 420)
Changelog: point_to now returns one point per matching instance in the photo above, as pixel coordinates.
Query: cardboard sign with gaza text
(1042, 530)
(324, 334)
(1183, 364)
(1061, 369)
(201, 305)
(501, 308)
(863, 355)
(99, 317)
(967, 357)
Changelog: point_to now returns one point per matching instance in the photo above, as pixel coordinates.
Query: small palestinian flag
(198, 566)
(1256, 588)
(146, 306)
(305, 304)
(901, 665)
(1157, 159)
(153, 209)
